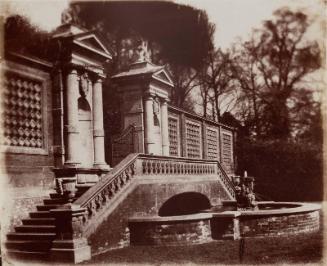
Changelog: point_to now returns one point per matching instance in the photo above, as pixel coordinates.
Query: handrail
(142, 164)
(110, 177)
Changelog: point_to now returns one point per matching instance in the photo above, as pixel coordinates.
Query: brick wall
(170, 233)
(279, 225)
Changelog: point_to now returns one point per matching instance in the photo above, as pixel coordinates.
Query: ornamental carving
(22, 112)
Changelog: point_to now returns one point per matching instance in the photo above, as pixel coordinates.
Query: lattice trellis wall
(173, 136)
(193, 140)
(212, 144)
(227, 149)
(21, 99)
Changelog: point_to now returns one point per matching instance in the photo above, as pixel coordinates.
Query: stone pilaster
(149, 134)
(98, 131)
(72, 94)
(164, 128)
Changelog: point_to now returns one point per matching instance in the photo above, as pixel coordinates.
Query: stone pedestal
(69, 246)
(85, 177)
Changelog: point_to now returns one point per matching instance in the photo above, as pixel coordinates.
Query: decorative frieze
(193, 140)
(22, 111)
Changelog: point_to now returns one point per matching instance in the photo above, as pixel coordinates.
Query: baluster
(144, 167)
(175, 168)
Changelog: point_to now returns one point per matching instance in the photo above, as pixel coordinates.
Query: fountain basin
(272, 219)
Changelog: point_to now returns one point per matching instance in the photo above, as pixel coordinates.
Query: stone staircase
(33, 239)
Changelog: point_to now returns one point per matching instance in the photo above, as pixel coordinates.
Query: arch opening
(184, 203)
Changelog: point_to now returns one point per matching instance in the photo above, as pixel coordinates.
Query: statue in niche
(84, 85)
(156, 108)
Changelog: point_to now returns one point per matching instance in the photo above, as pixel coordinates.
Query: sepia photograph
(181, 132)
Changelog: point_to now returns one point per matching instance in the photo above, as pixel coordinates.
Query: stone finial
(143, 52)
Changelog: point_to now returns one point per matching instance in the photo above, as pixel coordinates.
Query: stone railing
(123, 145)
(133, 165)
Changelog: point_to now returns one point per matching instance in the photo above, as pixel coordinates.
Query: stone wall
(27, 150)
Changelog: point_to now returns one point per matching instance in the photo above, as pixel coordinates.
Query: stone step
(38, 221)
(47, 207)
(54, 201)
(37, 256)
(28, 245)
(31, 236)
(55, 195)
(40, 214)
(36, 228)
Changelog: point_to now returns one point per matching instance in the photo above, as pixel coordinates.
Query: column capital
(165, 100)
(149, 96)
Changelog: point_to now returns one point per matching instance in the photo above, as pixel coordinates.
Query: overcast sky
(232, 18)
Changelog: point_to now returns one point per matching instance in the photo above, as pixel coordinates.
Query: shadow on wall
(185, 203)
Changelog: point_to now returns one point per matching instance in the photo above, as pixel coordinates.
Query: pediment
(163, 76)
(92, 42)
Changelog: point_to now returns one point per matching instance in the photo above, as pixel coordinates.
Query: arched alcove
(184, 203)
(85, 130)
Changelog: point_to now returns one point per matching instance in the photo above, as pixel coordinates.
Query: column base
(70, 251)
(102, 166)
(71, 164)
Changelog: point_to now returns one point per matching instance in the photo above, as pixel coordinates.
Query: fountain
(242, 218)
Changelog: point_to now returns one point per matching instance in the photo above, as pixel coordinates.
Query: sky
(233, 18)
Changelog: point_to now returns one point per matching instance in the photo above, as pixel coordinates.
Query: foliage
(287, 171)
(21, 36)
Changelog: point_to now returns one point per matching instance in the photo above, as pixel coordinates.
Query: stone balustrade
(135, 165)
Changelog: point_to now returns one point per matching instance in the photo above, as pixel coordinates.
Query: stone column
(149, 124)
(98, 131)
(72, 94)
(164, 128)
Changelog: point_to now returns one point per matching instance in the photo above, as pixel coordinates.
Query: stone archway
(184, 203)
(85, 131)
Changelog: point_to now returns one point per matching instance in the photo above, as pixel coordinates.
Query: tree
(276, 60)
(179, 36)
(217, 79)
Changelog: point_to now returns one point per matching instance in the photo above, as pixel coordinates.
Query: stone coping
(290, 208)
(190, 217)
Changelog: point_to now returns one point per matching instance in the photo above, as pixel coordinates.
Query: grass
(300, 249)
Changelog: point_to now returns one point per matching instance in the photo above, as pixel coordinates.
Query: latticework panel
(212, 144)
(227, 149)
(173, 136)
(21, 99)
(193, 140)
